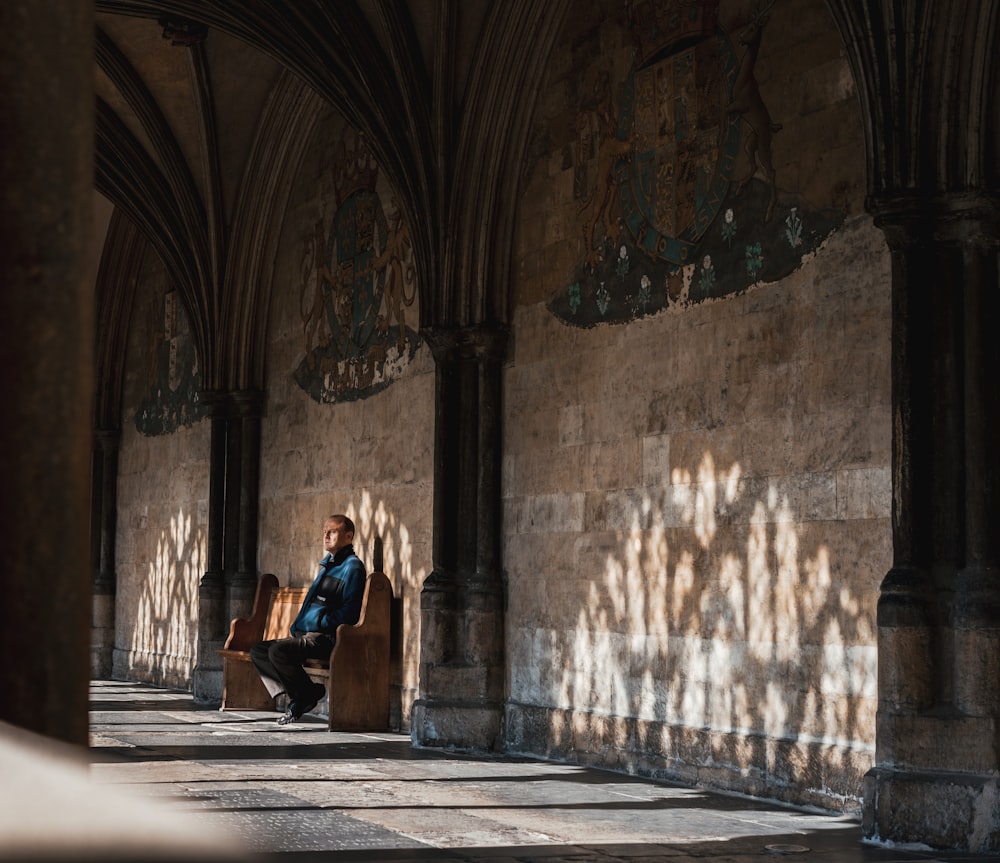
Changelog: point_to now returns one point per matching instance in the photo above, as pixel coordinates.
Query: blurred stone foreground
(51, 809)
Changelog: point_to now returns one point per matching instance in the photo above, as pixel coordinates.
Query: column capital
(182, 32)
(480, 341)
(957, 218)
(247, 403)
(233, 403)
(107, 438)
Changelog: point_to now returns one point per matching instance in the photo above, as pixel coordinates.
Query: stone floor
(300, 793)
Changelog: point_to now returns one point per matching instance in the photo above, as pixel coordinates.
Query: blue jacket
(335, 595)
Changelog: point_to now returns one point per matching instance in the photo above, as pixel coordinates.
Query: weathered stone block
(941, 810)
(456, 725)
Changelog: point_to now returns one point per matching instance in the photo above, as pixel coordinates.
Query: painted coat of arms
(663, 213)
(172, 401)
(684, 144)
(358, 282)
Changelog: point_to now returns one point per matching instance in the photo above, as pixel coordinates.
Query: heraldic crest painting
(358, 291)
(678, 198)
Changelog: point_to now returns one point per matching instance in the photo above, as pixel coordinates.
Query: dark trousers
(280, 662)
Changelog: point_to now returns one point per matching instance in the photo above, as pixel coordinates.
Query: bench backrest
(285, 604)
(274, 610)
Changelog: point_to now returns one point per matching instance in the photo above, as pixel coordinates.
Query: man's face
(335, 537)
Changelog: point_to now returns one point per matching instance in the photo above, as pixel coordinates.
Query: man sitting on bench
(334, 598)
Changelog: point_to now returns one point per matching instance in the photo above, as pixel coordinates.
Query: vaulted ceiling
(203, 107)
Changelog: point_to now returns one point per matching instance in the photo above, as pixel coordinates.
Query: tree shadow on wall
(722, 644)
(384, 542)
(166, 625)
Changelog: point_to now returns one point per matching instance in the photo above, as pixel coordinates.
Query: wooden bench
(357, 675)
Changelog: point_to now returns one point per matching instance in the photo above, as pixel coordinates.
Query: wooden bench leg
(242, 688)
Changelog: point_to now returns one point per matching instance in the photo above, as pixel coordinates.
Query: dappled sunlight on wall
(697, 490)
(719, 625)
(164, 637)
(376, 523)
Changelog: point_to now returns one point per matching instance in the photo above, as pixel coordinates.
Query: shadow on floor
(304, 794)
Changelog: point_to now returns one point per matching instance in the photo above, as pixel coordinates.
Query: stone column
(242, 577)
(212, 623)
(47, 354)
(104, 526)
(935, 779)
(926, 77)
(462, 675)
(228, 586)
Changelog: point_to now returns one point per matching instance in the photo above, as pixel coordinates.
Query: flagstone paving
(301, 793)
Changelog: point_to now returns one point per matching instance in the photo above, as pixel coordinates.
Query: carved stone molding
(182, 32)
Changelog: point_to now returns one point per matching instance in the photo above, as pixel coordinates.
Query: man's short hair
(345, 522)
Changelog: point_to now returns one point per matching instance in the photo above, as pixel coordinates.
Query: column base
(464, 725)
(206, 679)
(102, 636)
(956, 811)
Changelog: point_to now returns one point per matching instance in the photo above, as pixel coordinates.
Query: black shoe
(296, 709)
(314, 697)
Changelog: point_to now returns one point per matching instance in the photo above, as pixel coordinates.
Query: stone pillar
(212, 623)
(926, 77)
(242, 578)
(104, 526)
(462, 674)
(47, 354)
(935, 779)
(228, 586)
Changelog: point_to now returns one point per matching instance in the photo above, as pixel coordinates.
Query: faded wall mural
(664, 213)
(171, 401)
(358, 291)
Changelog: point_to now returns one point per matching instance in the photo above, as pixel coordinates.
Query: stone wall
(697, 486)
(354, 431)
(162, 495)
(347, 425)
(696, 426)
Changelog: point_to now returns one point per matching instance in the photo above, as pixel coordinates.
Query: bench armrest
(376, 608)
(246, 631)
(359, 665)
